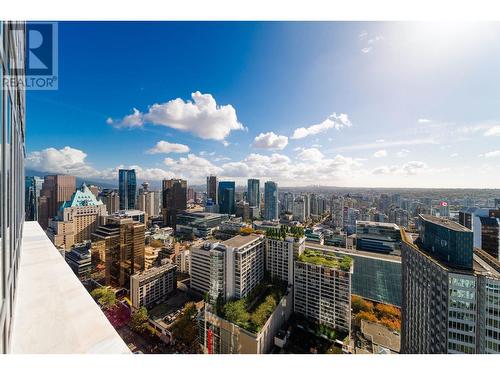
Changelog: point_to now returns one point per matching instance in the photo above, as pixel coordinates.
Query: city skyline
(354, 104)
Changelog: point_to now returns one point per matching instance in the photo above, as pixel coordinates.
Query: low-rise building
(379, 237)
(153, 285)
(79, 259)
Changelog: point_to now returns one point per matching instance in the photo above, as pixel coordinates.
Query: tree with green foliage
(263, 312)
(185, 330)
(106, 297)
(236, 312)
(139, 320)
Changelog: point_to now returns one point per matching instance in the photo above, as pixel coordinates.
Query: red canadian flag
(209, 341)
(444, 204)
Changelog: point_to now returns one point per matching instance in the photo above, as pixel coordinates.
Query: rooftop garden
(317, 257)
(284, 231)
(252, 312)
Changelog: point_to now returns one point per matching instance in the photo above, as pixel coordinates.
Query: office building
(243, 210)
(253, 193)
(322, 289)
(111, 199)
(299, 209)
(484, 222)
(231, 268)
(451, 300)
(226, 197)
(378, 237)
(153, 285)
(77, 219)
(33, 187)
(147, 204)
(271, 201)
(79, 260)
(212, 189)
(119, 247)
(174, 200)
(280, 254)
(127, 186)
(56, 189)
(198, 224)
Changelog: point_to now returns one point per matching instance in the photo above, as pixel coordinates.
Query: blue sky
(340, 104)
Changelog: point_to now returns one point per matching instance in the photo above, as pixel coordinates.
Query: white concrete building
(153, 285)
(280, 254)
(322, 290)
(231, 268)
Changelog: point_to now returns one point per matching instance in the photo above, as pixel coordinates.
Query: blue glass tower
(270, 200)
(226, 197)
(127, 185)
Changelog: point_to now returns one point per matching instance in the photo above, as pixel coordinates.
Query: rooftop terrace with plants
(284, 232)
(317, 257)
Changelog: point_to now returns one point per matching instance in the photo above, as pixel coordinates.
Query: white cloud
(192, 167)
(407, 169)
(493, 131)
(332, 122)
(491, 154)
(402, 153)
(379, 140)
(405, 142)
(380, 154)
(423, 120)
(134, 120)
(270, 141)
(67, 160)
(201, 117)
(310, 154)
(454, 155)
(164, 147)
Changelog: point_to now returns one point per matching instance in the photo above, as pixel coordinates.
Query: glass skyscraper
(127, 186)
(226, 197)
(270, 200)
(253, 192)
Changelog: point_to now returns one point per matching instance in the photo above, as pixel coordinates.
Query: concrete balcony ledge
(53, 312)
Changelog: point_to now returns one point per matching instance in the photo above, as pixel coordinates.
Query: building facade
(119, 247)
(450, 292)
(227, 197)
(322, 293)
(174, 200)
(280, 255)
(56, 189)
(77, 219)
(153, 285)
(212, 189)
(231, 268)
(13, 152)
(127, 188)
(271, 201)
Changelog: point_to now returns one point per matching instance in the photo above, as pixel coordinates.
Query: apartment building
(231, 268)
(280, 254)
(322, 289)
(153, 285)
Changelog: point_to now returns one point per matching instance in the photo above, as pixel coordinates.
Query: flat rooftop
(241, 241)
(481, 264)
(445, 222)
(377, 224)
